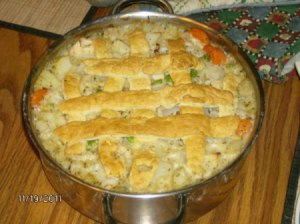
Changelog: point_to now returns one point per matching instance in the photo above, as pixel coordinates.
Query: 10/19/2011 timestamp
(39, 198)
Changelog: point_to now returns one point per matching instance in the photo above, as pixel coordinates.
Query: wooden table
(258, 197)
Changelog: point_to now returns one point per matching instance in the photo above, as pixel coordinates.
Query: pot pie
(144, 107)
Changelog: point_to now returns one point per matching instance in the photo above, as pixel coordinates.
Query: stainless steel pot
(117, 207)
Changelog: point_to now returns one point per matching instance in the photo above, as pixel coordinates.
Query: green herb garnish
(168, 79)
(157, 82)
(92, 144)
(130, 139)
(206, 58)
(194, 73)
(98, 89)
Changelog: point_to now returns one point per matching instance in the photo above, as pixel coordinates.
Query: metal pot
(116, 207)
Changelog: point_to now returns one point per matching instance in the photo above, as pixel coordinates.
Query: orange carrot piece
(216, 54)
(245, 126)
(199, 35)
(37, 96)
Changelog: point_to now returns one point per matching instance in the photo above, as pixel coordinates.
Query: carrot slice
(37, 96)
(245, 126)
(199, 35)
(216, 54)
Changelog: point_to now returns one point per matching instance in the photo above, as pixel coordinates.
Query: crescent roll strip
(110, 159)
(170, 127)
(102, 48)
(195, 152)
(71, 83)
(138, 43)
(134, 65)
(181, 77)
(189, 94)
(176, 45)
(143, 167)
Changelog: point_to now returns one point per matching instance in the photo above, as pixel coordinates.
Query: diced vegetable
(92, 144)
(206, 58)
(158, 81)
(199, 35)
(193, 73)
(130, 139)
(38, 96)
(157, 84)
(216, 54)
(244, 128)
(168, 79)
(98, 89)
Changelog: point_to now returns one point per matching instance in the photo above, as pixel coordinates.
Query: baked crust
(113, 84)
(75, 149)
(71, 85)
(181, 77)
(138, 43)
(176, 45)
(191, 110)
(143, 167)
(189, 94)
(195, 152)
(135, 65)
(113, 164)
(176, 126)
(139, 83)
(102, 48)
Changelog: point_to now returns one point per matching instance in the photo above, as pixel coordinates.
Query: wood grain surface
(257, 198)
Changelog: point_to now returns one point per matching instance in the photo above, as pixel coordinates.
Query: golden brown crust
(113, 66)
(157, 64)
(143, 113)
(74, 149)
(181, 77)
(139, 83)
(146, 99)
(113, 164)
(143, 167)
(113, 84)
(71, 85)
(138, 43)
(191, 110)
(221, 127)
(176, 45)
(170, 127)
(195, 152)
(134, 65)
(183, 60)
(110, 114)
(102, 48)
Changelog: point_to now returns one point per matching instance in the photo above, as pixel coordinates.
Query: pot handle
(109, 219)
(164, 5)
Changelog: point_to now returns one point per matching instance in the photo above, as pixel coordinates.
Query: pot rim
(145, 15)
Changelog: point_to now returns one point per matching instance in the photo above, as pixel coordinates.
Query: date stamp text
(39, 198)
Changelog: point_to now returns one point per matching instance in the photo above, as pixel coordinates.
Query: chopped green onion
(194, 73)
(130, 139)
(98, 89)
(231, 65)
(158, 81)
(168, 79)
(206, 58)
(92, 144)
